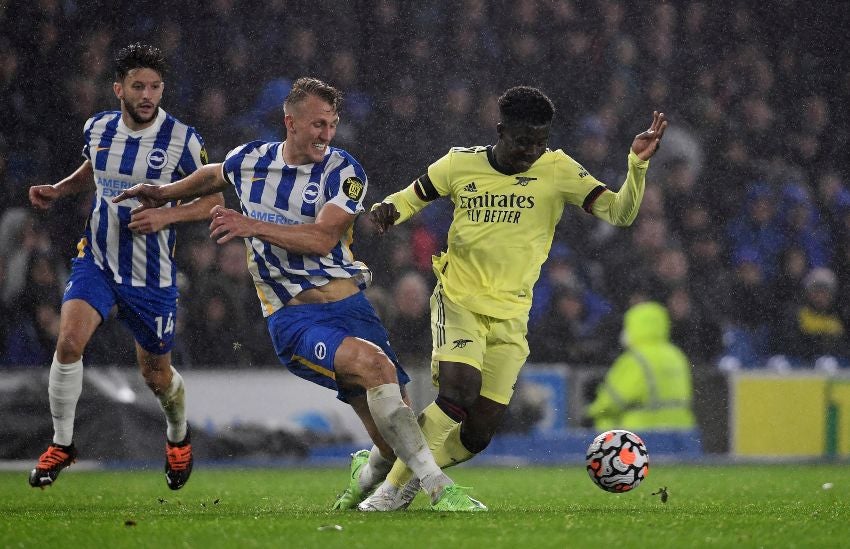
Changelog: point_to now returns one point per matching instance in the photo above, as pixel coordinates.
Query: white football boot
(389, 498)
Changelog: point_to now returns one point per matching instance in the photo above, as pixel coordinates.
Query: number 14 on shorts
(169, 325)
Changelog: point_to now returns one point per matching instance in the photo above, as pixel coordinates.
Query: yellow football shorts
(497, 347)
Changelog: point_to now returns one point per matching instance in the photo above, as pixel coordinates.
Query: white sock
(398, 425)
(65, 384)
(173, 403)
(375, 470)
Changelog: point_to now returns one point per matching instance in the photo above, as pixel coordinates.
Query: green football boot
(454, 498)
(353, 494)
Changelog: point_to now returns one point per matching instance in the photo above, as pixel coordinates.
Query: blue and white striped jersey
(272, 191)
(165, 151)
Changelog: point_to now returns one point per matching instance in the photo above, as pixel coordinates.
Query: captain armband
(425, 189)
(591, 198)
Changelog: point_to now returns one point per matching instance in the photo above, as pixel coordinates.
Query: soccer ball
(617, 461)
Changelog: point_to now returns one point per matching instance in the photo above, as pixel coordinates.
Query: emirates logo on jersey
(157, 159)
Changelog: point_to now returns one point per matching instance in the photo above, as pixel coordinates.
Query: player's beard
(138, 118)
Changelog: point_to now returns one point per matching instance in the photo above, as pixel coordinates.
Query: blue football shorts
(306, 338)
(149, 313)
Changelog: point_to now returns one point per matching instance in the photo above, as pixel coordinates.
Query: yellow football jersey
(504, 224)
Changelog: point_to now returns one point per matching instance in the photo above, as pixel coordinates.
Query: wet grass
(530, 507)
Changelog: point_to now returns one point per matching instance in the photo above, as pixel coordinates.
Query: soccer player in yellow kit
(508, 198)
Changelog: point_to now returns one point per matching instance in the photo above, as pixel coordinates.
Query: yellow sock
(435, 425)
(452, 451)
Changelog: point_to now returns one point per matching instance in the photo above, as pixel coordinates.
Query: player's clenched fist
(42, 196)
(383, 215)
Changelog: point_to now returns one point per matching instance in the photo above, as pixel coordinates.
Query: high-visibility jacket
(649, 386)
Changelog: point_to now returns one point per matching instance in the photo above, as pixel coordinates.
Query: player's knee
(69, 348)
(157, 381)
(481, 425)
(476, 438)
(369, 368)
(379, 363)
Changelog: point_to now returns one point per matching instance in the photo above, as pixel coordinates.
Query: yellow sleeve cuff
(635, 160)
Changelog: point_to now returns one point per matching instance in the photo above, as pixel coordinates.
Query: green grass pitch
(530, 507)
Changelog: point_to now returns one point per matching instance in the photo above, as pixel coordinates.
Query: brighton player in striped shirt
(124, 259)
(507, 199)
(299, 199)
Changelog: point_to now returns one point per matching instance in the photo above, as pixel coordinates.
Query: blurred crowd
(744, 233)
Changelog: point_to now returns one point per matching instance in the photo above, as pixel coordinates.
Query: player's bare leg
(78, 321)
(168, 387)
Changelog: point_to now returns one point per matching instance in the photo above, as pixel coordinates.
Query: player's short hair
(306, 86)
(139, 56)
(526, 106)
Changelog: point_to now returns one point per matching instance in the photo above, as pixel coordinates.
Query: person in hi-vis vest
(649, 385)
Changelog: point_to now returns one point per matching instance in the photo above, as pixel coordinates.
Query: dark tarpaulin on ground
(115, 423)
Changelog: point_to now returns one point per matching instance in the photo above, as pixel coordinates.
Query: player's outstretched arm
(206, 180)
(317, 238)
(647, 143)
(156, 219)
(43, 196)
